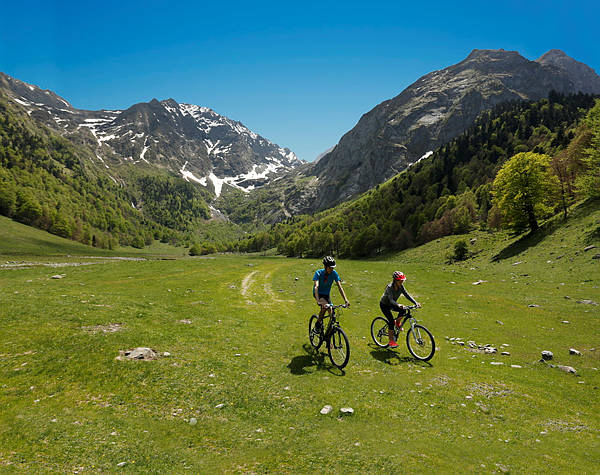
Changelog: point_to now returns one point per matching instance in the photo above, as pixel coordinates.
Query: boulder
(326, 409)
(573, 351)
(547, 355)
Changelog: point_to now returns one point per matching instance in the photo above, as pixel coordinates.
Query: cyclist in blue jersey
(323, 280)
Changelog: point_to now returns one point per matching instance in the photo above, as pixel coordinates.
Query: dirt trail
(246, 285)
(268, 296)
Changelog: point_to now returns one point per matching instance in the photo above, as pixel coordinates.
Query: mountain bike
(419, 340)
(338, 346)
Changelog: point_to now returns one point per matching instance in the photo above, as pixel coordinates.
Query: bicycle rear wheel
(315, 336)
(420, 343)
(379, 332)
(338, 348)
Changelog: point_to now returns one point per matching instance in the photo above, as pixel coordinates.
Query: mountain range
(235, 165)
(191, 141)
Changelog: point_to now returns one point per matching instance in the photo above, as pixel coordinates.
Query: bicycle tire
(420, 342)
(315, 337)
(379, 332)
(338, 348)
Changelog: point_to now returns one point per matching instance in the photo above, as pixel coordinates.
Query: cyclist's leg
(323, 299)
(387, 312)
(400, 319)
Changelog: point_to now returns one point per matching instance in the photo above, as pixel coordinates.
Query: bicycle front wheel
(420, 343)
(338, 348)
(379, 332)
(315, 336)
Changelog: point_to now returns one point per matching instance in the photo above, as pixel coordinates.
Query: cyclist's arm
(316, 291)
(341, 289)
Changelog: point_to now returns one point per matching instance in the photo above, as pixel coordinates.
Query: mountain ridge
(193, 142)
(433, 110)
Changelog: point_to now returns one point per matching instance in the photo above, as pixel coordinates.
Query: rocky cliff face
(435, 109)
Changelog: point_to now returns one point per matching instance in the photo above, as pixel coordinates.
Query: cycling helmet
(328, 261)
(399, 276)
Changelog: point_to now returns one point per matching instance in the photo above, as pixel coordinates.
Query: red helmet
(399, 276)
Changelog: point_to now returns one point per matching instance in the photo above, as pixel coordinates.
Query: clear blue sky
(299, 73)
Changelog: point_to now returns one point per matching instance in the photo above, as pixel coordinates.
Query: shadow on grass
(547, 229)
(390, 357)
(313, 359)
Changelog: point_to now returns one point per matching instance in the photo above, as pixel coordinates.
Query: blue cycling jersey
(326, 280)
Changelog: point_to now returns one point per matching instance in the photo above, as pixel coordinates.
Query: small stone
(496, 363)
(589, 248)
(193, 421)
(499, 322)
(565, 322)
(121, 464)
(547, 355)
(58, 276)
(326, 409)
(166, 353)
(505, 353)
(515, 366)
(219, 406)
(567, 369)
(573, 351)
(346, 411)
(533, 305)
(587, 302)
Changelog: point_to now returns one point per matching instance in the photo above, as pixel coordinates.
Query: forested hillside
(451, 192)
(50, 183)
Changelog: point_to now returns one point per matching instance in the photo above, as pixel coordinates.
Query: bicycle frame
(408, 316)
(333, 321)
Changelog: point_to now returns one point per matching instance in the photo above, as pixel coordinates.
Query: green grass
(67, 404)
(18, 241)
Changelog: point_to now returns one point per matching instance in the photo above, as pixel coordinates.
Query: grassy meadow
(241, 368)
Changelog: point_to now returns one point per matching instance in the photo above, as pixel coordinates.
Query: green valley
(237, 388)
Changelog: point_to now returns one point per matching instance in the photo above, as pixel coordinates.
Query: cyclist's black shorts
(327, 297)
(387, 312)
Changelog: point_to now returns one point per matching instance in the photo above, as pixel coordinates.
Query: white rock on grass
(346, 411)
(219, 406)
(573, 351)
(193, 421)
(515, 366)
(326, 409)
(567, 369)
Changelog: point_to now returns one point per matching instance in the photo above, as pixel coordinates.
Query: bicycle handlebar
(338, 306)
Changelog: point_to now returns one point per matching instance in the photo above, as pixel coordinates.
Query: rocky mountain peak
(583, 77)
